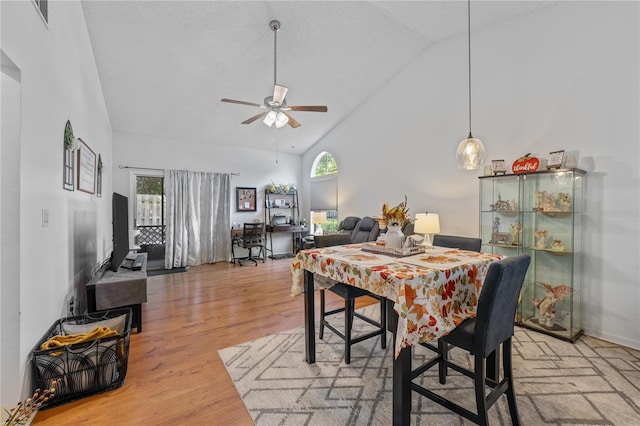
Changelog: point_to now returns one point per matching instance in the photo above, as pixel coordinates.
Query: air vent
(43, 8)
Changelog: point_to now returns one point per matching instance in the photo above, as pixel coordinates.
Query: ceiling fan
(276, 105)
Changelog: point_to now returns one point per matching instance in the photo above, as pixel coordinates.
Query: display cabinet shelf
(540, 214)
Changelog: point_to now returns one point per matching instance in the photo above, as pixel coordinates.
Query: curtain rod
(159, 170)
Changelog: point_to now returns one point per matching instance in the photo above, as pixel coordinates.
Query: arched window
(324, 194)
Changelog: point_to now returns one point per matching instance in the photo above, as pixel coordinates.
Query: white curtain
(198, 218)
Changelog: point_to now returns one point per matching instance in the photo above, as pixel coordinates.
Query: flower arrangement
(395, 216)
(281, 188)
(22, 412)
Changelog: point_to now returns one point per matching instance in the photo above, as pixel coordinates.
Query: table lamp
(318, 218)
(427, 224)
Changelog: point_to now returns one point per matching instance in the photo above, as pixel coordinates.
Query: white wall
(566, 78)
(257, 168)
(59, 81)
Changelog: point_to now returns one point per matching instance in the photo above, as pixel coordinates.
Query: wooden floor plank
(174, 373)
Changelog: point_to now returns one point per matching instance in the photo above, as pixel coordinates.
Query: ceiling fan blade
(233, 101)
(254, 118)
(292, 121)
(314, 108)
(279, 92)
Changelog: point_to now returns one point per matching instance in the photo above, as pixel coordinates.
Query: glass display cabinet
(540, 214)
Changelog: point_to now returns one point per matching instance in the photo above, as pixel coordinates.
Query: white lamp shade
(319, 217)
(470, 154)
(427, 223)
(281, 119)
(270, 118)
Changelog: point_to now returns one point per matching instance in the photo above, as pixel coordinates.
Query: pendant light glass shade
(470, 153)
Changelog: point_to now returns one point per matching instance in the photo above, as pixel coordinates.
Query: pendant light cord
(469, 52)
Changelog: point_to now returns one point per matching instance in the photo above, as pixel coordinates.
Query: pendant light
(470, 152)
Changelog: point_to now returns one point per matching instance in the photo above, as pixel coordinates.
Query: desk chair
(253, 237)
(349, 293)
(482, 336)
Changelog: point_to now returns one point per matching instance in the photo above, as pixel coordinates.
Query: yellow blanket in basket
(59, 341)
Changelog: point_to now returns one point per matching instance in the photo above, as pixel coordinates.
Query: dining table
(431, 290)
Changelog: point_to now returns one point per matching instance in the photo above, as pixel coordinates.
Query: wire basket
(87, 368)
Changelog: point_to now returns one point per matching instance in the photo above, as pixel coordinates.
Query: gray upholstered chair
(453, 241)
(367, 229)
(349, 293)
(407, 228)
(348, 224)
(482, 336)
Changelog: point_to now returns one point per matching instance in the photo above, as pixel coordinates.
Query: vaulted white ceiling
(165, 65)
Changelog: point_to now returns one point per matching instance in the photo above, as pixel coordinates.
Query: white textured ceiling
(164, 66)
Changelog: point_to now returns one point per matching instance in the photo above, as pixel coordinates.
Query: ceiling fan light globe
(281, 119)
(270, 118)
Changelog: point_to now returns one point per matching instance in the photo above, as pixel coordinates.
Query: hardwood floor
(174, 375)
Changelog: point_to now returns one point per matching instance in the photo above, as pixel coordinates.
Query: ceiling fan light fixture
(281, 119)
(270, 118)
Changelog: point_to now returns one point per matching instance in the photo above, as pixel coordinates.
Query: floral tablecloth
(433, 291)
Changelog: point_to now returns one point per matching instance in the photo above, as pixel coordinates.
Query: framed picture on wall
(86, 168)
(245, 199)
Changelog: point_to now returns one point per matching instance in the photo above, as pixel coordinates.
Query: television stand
(126, 288)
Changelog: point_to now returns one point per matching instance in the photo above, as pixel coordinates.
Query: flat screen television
(120, 205)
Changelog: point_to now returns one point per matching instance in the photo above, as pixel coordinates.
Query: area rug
(590, 382)
(154, 272)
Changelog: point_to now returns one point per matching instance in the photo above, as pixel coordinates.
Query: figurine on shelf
(547, 305)
(516, 227)
(495, 230)
(502, 206)
(541, 239)
(539, 196)
(557, 245)
(564, 201)
(544, 202)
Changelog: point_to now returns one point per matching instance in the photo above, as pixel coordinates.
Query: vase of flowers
(393, 219)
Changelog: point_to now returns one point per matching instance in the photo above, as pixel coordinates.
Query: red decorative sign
(525, 165)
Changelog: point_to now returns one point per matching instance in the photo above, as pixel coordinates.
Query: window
(324, 191)
(150, 209)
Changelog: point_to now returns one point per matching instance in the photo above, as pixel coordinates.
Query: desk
(296, 232)
(431, 294)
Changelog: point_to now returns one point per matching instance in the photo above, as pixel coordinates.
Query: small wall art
(86, 168)
(68, 176)
(99, 177)
(498, 167)
(555, 159)
(245, 199)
